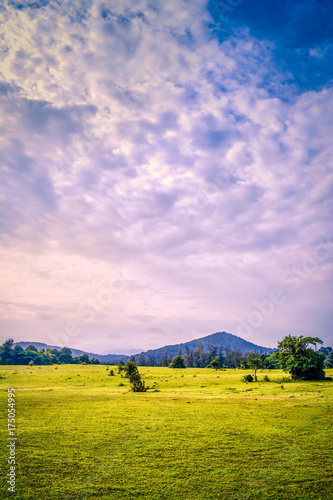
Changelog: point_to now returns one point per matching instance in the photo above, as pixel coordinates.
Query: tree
(329, 360)
(165, 360)
(255, 364)
(141, 359)
(177, 362)
(188, 357)
(7, 353)
(212, 353)
(18, 355)
(296, 357)
(137, 385)
(65, 355)
(221, 357)
(31, 347)
(325, 350)
(84, 358)
(215, 363)
(132, 372)
(151, 360)
(129, 368)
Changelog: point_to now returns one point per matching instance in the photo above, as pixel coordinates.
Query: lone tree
(255, 364)
(296, 357)
(132, 372)
(177, 362)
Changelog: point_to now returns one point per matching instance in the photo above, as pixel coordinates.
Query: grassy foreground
(198, 434)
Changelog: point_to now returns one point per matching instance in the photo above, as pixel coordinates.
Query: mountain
(103, 358)
(218, 339)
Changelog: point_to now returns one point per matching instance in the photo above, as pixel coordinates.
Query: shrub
(111, 374)
(266, 379)
(132, 372)
(177, 362)
(137, 385)
(247, 378)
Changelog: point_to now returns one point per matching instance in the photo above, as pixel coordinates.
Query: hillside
(103, 358)
(218, 339)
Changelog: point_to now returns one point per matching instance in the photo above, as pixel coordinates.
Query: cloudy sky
(166, 171)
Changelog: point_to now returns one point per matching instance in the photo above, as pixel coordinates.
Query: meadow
(196, 434)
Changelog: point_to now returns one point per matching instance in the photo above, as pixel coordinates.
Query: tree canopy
(255, 364)
(215, 363)
(10, 355)
(296, 357)
(177, 362)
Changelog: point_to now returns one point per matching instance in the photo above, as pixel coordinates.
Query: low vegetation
(196, 433)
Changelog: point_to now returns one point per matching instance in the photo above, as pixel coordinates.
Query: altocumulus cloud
(164, 171)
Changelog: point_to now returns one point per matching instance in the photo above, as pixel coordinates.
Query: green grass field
(198, 434)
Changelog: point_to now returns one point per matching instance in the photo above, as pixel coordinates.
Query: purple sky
(161, 182)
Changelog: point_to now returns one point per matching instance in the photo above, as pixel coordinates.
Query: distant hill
(218, 339)
(103, 358)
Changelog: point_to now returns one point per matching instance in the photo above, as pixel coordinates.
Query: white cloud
(135, 143)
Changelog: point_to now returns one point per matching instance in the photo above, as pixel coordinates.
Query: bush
(137, 385)
(132, 372)
(266, 379)
(177, 362)
(247, 378)
(111, 374)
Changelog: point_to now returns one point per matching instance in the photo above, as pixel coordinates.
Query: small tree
(177, 362)
(302, 362)
(137, 385)
(132, 372)
(129, 368)
(215, 363)
(255, 364)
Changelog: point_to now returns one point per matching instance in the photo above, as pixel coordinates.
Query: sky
(166, 171)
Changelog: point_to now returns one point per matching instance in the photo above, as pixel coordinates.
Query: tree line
(294, 355)
(213, 357)
(10, 355)
(201, 358)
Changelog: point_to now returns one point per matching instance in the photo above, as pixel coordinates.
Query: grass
(210, 436)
